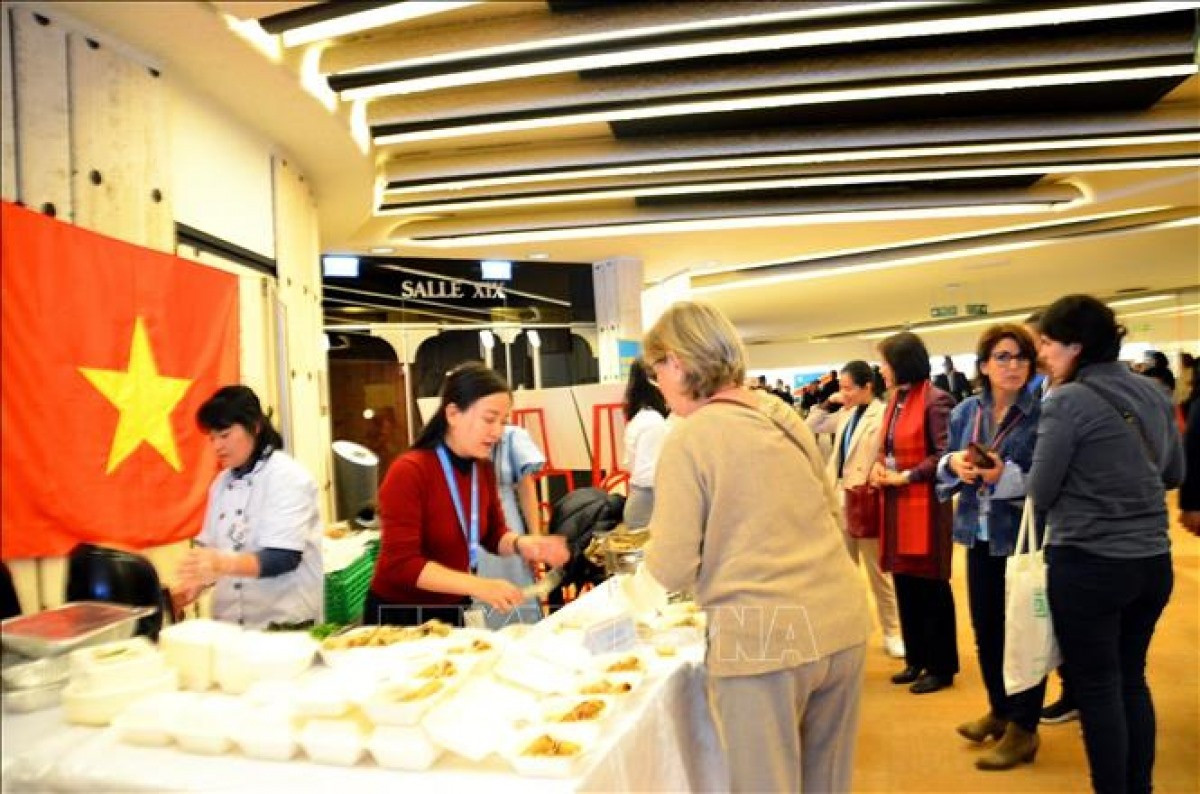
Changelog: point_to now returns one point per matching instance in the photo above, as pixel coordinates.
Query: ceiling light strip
(941, 241)
(380, 307)
(744, 44)
(741, 222)
(793, 100)
(856, 155)
(617, 34)
(957, 253)
(368, 19)
(742, 186)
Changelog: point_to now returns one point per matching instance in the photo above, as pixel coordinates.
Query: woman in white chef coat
(260, 547)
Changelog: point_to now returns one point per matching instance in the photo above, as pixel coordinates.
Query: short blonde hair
(706, 344)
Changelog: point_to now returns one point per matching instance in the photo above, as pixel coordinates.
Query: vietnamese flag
(108, 351)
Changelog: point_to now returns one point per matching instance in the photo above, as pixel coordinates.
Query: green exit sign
(939, 312)
(977, 309)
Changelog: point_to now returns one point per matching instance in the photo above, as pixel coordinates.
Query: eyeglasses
(1004, 358)
(650, 368)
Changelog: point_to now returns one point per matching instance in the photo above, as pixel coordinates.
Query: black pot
(98, 573)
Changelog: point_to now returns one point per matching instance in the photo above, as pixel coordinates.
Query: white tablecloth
(664, 741)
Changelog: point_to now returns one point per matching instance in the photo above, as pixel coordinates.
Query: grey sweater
(1092, 471)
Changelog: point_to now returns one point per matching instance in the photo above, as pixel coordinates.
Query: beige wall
(80, 107)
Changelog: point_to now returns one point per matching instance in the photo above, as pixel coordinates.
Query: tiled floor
(907, 742)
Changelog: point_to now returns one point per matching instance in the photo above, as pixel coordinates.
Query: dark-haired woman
(853, 415)
(261, 541)
(1107, 450)
(1001, 419)
(645, 428)
(439, 505)
(915, 543)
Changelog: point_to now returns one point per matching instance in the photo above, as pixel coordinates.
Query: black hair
(239, 405)
(862, 374)
(908, 357)
(1159, 358)
(1088, 322)
(640, 392)
(992, 337)
(463, 386)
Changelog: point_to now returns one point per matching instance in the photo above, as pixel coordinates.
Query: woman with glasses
(915, 538)
(761, 548)
(261, 541)
(992, 435)
(1107, 450)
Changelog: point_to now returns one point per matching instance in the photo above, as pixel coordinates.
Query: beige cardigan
(745, 517)
(864, 443)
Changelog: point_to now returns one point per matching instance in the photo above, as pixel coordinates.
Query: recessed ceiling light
(383, 249)
(539, 255)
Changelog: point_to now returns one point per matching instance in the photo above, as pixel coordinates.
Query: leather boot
(1018, 746)
(989, 725)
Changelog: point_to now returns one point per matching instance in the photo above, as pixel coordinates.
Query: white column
(618, 288)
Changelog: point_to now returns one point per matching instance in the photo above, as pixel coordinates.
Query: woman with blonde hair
(760, 546)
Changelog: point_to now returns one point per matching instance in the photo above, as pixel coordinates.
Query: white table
(664, 741)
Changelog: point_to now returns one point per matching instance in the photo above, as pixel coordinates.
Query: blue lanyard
(471, 533)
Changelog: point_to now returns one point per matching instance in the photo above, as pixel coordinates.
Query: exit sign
(938, 312)
(977, 309)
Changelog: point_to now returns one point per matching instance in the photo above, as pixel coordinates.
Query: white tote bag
(1030, 650)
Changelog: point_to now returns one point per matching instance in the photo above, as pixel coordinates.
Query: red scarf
(910, 448)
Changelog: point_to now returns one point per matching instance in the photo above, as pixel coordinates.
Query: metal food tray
(70, 626)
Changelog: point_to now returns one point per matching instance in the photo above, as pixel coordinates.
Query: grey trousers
(791, 730)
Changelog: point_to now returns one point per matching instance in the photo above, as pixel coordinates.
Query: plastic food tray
(70, 626)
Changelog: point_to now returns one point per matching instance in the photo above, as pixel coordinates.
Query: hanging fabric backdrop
(108, 350)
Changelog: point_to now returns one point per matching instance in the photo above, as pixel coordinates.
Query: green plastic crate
(346, 590)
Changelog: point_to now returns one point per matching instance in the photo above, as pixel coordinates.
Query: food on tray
(630, 664)
(428, 689)
(547, 746)
(586, 710)
(477, 646)
(607, 687)
(443, 669)
(381, 636)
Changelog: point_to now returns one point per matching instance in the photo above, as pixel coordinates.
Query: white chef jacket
(272, 506)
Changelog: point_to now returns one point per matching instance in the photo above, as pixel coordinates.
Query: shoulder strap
(1131, 421)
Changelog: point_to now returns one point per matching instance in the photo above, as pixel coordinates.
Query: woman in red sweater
(439, 505)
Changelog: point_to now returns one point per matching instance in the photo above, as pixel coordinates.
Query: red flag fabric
(108, 351)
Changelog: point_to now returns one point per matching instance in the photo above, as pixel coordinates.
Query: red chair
(533, 420)
(612, 476)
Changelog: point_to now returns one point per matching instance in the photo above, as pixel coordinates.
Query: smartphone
(977, 456)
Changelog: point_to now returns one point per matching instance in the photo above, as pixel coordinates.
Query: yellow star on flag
(145, 400)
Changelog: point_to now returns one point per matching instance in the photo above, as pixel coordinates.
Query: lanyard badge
(470, 531)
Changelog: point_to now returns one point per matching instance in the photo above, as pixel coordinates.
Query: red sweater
(419, 525)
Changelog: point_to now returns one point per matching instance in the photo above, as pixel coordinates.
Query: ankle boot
(979, 730)
(1018, 746)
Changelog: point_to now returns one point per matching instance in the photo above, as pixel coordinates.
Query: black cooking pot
(98, 573)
